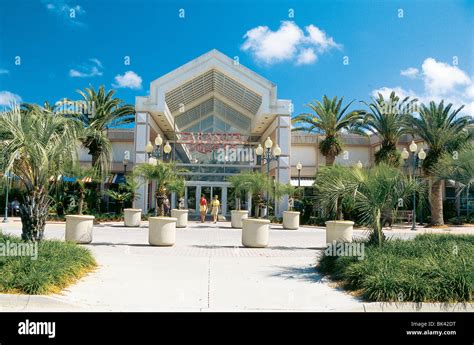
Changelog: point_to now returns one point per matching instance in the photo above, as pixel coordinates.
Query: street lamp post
(154, 154)
(299, 166)
(268, 156)
(126, 160)
(417, 158)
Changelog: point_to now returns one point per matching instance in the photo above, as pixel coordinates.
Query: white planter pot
(181, 216)
(255, 232)
(291, 220)
(339, 231)
(237, 217)
(162, 231)
(79, 228)
(132, 216)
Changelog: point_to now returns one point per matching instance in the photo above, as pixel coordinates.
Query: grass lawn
(430, 268)
(58, 264)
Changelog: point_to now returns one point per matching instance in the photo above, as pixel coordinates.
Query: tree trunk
(33, 213)
(436, 200)
(330, 160)
(339, 213)
(160, 205)
(457, 192)
(377, 234)
(80, 207)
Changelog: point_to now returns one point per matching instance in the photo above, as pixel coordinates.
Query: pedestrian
(215, 204)
(203, 208)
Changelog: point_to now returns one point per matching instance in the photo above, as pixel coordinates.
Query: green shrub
(58, 265)
(430, 268)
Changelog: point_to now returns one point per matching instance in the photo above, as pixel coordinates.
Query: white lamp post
(267, 157)
(417, 158)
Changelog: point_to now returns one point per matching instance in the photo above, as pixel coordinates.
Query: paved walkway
(207, 270)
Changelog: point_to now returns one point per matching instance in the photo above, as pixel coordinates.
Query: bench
(403, 215)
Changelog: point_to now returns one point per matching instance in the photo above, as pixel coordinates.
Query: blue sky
(419, 48)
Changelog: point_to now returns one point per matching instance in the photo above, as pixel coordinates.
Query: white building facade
(213, 112)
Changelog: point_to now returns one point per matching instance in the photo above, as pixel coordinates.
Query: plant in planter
(181, 214)
(373, 190)
(36, 145)
(291, 218)
(79, 227)
(132, 216)
(240, 185)
(162, 230)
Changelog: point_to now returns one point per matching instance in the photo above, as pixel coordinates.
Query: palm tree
(108, 111)
(164, 174)
(121, 197)
(459, 169)
(38, 147)
(82, 176)
(387, 119)
(444, 131)
(373, 190)
(329, 118)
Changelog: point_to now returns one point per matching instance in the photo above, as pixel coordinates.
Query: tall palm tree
(38, 147)
(444, 131)
(459, 169)
(107, 111)
(387, 120)
(329, 118)
(165, 175)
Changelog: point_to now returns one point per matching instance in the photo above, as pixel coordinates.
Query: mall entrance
(194, 190)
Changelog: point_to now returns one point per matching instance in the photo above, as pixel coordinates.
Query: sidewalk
(207, 270)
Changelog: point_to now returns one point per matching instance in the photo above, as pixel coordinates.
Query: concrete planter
(181, 216)
(255, 232)
(339, 231)
(291, 220)
(132, 216)
(162, 231)
(237, 216)
(79, 228)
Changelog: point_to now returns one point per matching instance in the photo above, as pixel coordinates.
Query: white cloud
(4, 71)
(399, 91)
(410, 72)
(63, 9)
(441, 78)
(288, 43)
(8, 98)
(96, 61)
(320, 39)
(129, 80)
(87, 69)
(306, 56)
(441, 81)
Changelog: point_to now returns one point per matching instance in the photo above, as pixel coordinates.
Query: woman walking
(203, 208)
(215, 204)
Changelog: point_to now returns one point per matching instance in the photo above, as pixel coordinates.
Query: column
(142, 135)
(224, 201)
(198, 198)
(186, 197)
(249, 203)
(173, 200)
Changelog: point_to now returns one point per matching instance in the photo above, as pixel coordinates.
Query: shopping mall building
(211, 114)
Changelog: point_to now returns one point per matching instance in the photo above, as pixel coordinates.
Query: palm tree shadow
(308, 273)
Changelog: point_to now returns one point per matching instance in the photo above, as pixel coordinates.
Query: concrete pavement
(207, 270)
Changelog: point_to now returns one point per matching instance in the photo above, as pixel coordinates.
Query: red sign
(208, 142)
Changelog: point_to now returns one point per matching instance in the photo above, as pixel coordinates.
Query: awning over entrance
(304, 182)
